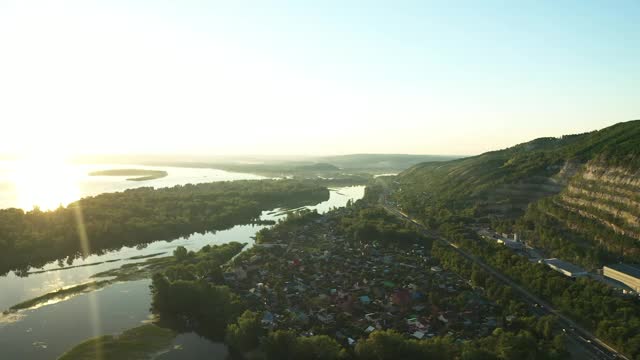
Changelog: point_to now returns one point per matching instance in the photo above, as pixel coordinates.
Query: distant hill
(318, 167)
(277, 165)
(387, 162)
(331, 165)
(563, 181)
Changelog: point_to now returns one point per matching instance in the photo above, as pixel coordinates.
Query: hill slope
(586, 185)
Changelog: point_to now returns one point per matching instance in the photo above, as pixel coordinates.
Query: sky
(311, 77)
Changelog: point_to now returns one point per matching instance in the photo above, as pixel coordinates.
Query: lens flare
(45, 181)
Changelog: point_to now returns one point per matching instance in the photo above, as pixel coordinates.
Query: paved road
(583, 342)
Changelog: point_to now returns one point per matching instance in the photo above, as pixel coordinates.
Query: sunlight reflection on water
(48, 182)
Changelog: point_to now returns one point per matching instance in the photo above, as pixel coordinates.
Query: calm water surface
(48, 331)
(64, 183)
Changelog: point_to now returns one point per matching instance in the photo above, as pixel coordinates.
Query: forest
(139, 216)
(375, 224)
(190, 294)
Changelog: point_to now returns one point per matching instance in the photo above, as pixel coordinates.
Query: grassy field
(137, 343)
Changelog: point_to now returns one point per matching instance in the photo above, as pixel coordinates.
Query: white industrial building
(624, 273)
(565, 268)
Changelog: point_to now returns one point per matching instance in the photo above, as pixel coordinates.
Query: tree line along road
(582, 340)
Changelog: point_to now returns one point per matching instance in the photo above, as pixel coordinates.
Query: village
(314, 280)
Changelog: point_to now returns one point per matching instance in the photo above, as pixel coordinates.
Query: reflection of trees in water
(140, 216)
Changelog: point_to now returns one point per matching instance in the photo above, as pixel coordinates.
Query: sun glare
(45, 181)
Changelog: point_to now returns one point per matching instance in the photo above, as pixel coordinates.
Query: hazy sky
(312, 77)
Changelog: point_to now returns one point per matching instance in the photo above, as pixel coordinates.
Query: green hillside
(584, 188)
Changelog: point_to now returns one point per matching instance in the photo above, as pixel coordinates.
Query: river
(23, 185)
(47, 331)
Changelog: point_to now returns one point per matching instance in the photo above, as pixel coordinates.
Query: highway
(582, 343)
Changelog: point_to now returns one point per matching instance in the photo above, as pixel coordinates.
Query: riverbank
(134, 217)
(136, 343)
(34, 333)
